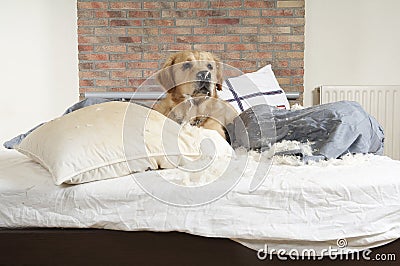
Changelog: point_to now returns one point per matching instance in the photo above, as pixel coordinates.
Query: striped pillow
(260, 87)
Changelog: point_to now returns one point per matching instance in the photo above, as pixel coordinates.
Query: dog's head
(191, 74)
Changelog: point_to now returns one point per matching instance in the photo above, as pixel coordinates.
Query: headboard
(146, 96)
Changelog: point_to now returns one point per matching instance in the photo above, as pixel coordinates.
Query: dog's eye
(186, 65)
(210, 67)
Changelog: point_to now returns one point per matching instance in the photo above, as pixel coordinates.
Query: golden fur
(192, 79)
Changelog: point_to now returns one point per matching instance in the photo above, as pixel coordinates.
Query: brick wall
(122, 43)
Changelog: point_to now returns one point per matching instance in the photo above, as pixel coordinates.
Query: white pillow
(92, 143)
(253, 89)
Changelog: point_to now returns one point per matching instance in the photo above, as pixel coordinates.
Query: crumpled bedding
(307, 206)
(332, 129)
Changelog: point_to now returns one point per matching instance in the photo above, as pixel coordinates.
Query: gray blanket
(333, 129)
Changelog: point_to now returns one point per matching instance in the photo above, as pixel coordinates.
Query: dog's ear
(165, 76)
(219, 72)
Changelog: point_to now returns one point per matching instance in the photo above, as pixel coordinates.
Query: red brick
(158, 5)
(224, 38)
(92, 39)
(277, 12)
(92, 5)
(244, 13)
(240, 64)
(95, 89)
(176, 30)
(296, 63)
(144, 14)
(124, 89)
(110, 14)
(190, 22)
(127, 57)
(140, 48)
(242, 30)
(142, 31)
(257, 21)
(190, 39)
(211, 13)
(230, 56)
(153, 56)
(274, 46)
(93, 57)
(86, 14)
(110, 48)
(176, 47)
(85, 30)
(192, 5)
(177, 13)
(125, 22)
(158, 39)
(209, 30)
(110, 83)
(125, 5)
(224, 21)
(226, 4)
(274, 30)
(86, 83)
(110, 65)
(109, 31)
(126, 74)
(257, 55)
(92, 22)
(209, 47)
(93, 74)
(132, 39)
(85, 66)
(294, 55)
(289, 21)
(85, 48)
(257, 38)
(289, 38)
(241, 47)
(136, 65)
(136, 82)
(281, 63)
(158, 22)
(259, 3)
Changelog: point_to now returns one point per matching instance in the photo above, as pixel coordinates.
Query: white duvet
(297, 207)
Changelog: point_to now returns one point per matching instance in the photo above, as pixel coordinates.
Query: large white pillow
(92, 143)
(252, 89)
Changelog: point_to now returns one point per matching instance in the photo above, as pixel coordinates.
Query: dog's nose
(204, 75)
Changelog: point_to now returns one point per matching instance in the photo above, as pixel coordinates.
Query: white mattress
(308, 206)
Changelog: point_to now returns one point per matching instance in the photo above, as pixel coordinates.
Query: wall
(351, 43)
(39, 68)
(122, 43)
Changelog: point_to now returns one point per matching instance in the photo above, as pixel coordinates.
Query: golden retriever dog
(192, 79)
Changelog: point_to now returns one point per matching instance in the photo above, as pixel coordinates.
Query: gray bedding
(333, 129)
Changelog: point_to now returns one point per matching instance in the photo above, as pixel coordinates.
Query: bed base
(106, 247)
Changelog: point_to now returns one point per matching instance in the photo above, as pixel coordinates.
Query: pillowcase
(253, 89)
(114, 139)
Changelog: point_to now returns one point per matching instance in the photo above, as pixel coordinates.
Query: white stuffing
(296, 106)
(218, 166)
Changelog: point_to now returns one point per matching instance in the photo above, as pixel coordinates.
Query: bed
(348, 204)
(297, 207)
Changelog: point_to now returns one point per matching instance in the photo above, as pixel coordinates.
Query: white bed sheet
(297, 207)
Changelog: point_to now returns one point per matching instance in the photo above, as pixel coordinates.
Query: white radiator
(382, 102)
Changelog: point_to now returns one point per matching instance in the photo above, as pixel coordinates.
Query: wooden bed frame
(105, 247)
